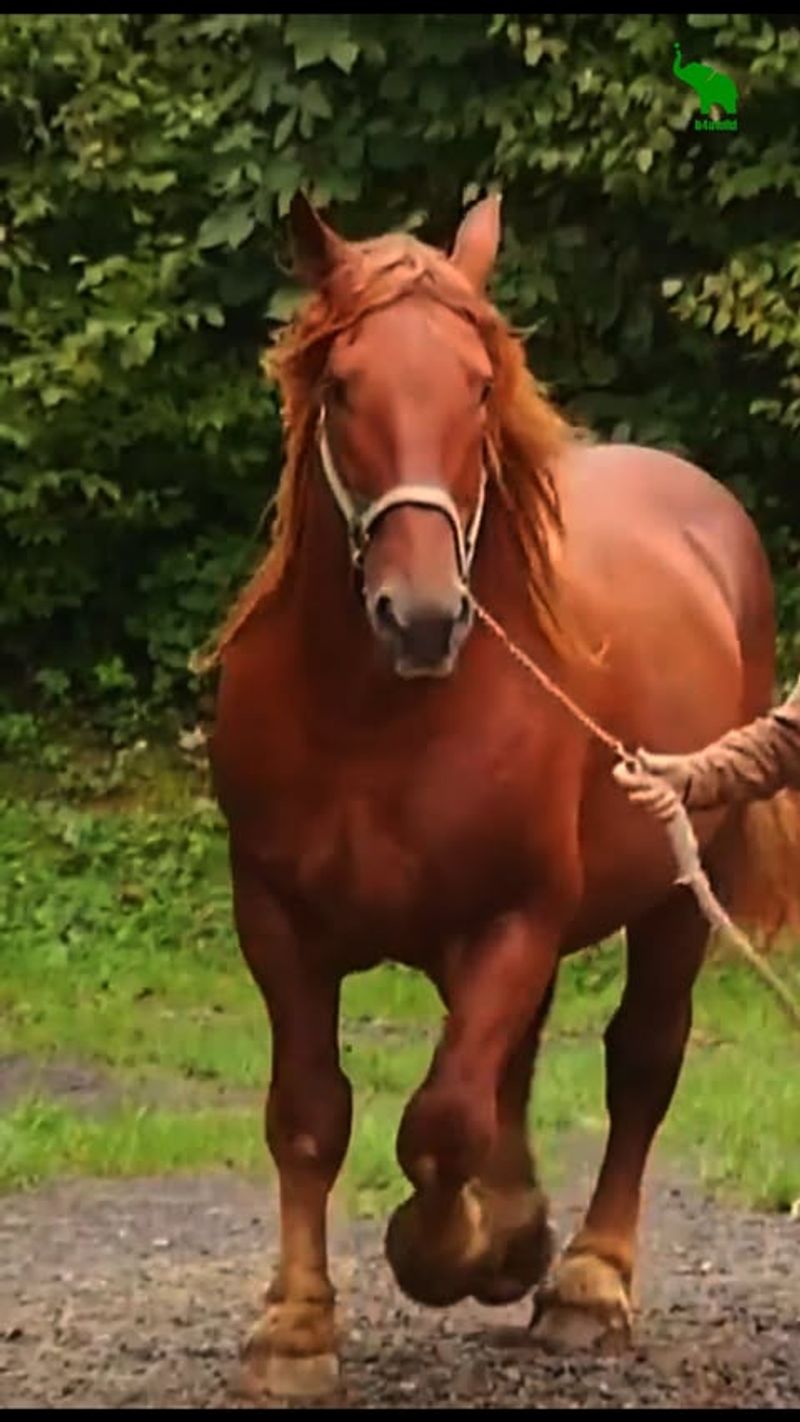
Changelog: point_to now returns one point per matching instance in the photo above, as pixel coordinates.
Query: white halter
(360, 523)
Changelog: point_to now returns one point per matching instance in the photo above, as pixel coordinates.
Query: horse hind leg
(586, 1300)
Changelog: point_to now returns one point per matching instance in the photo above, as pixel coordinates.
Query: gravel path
(136, 1294)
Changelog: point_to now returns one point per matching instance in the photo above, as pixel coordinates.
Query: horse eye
(336, 390)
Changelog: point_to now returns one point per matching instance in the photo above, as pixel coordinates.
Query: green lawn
(117, 953)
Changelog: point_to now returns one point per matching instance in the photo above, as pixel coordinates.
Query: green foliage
(146, 164)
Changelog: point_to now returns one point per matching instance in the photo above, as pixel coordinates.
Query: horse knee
(308, 1122)
(446, 1135)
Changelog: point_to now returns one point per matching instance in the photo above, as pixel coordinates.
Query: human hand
(657, 782)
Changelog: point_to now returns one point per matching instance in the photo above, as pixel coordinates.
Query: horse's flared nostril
(463, 610)
(385, 614)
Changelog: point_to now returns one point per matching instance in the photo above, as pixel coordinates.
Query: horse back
(669, 572)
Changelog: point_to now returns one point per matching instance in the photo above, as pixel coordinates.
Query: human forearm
(750, 763)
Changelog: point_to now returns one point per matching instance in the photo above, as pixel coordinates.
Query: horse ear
(477, 241)
(316, 249)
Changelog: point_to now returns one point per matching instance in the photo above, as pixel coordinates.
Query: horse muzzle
(423, 639)
(424, 636)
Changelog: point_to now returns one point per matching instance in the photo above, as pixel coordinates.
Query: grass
(117, 952)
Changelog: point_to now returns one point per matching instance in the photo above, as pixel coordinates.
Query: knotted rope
(661, 800)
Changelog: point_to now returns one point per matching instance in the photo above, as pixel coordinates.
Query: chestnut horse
(397, 787)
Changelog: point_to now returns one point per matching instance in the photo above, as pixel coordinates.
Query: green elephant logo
(713, 89)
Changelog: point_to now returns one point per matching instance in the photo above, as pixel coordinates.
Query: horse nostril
(463, 610)
(384, 613)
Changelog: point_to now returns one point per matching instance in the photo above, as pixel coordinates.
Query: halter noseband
(360, 521)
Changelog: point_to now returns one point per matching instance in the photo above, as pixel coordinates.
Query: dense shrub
(146, 164)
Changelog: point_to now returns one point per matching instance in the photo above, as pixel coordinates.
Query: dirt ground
(136, 1293)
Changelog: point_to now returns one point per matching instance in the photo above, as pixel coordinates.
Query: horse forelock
(526, 431)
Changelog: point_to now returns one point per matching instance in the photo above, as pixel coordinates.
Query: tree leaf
(344, 54)
(228, 227)
(14, 436)
(285, 302)
(139, 346)
(284, 128)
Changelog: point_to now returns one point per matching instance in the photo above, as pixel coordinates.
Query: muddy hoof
(284, 1377)
(290, 1353)
(520, 1261)
(563, 1328)
(583, 1305)
(434, 1245)
(497, 1290)
(280, 1375)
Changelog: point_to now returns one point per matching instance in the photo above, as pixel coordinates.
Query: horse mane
(526, 433)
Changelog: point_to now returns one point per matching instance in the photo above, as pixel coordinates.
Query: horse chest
(350, 852)
(433, 844)
(388, 831)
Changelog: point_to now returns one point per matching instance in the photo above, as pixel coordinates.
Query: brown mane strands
(527, 433)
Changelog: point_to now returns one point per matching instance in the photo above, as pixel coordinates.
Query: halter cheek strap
(360, 522)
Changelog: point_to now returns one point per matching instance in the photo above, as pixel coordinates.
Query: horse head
(402, 430)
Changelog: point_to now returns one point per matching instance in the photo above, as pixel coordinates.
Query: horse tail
(764, 882)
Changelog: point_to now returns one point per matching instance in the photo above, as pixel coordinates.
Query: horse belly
(627, 873)
(680, 589)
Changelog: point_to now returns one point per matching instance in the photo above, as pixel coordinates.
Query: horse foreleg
(477, 1223)
(587, 1298)
(514, 1204)
(292, 1350)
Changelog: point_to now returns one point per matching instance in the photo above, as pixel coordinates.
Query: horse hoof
(566, 1329)
(498, 1290)
(290, 1353)
(584, 1305)
(526, 1255)
(433, 1245)
(288, 1376)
